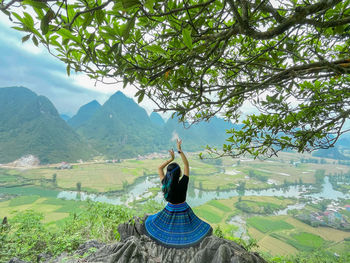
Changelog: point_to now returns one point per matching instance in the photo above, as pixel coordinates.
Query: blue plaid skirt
(176, 226)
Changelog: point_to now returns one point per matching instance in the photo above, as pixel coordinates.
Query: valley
(256, 200)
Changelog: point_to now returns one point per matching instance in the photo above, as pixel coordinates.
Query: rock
(16, 260)
(43, 256)
(88, 246)
(137, 248)
(133, 228)
(134, 247)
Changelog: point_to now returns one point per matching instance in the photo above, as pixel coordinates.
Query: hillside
(30, 124)
(156, 119)
(84, 114)
(121, 128)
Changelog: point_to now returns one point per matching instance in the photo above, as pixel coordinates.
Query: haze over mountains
(30, 124)
(120, 128)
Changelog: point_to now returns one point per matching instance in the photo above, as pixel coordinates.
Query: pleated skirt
(176, 226)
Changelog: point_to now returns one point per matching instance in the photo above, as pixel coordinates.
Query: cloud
(34, 68)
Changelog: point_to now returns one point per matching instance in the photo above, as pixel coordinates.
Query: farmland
(37, 189)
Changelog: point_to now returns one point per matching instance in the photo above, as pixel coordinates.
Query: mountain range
(120, 128)
(30, 124)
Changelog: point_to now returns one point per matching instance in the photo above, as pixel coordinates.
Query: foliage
(289, 59)
(227, 234)
(256, 207)
(319, 256)
(25, 236)
(319, 176)
(148, 207)
(255, 175)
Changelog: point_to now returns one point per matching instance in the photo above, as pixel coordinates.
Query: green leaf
(129, 26)
(37, 4)
(91, 37)
(113, 48)
(100, 16)
(19, 28)
(156, 49)
(130, 3)
(19, 18)
(67, 34)
(186, 35)
(68, 69)
(141, 95)
(88, 19)
(35, 41)
(65, 41)
(28, 20)
(149, 5)
(25, 38)
(44, 26)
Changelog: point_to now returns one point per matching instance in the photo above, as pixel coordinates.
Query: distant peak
(119, 94)
(120, 97)
(18, 89)
(94, 102)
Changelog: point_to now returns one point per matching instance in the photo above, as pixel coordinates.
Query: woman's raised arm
(183, 157)
(161, 167)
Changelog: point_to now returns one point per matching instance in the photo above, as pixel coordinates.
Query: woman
(176, 225)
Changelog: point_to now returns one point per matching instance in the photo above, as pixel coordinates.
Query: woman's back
(178, 190)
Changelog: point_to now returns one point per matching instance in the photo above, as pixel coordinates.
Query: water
(136, 192)
(328, 192)
(289, 207)
(196, 197)
(241, 232)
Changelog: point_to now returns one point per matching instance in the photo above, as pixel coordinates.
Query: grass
(340, 247)
(308, 240)
(53, 209)
(94, 177)
(6, 178)
(275, 246)
(103, 177)
(267, 225)
(65, 206)
(23, 200)
(29, 190)
(209, 213)
(326, 233)
(303, 241)
(301, 237)
(220, 206)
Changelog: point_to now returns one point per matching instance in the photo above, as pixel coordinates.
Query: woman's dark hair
(173, 171)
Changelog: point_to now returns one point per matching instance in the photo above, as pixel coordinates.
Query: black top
(178, 190)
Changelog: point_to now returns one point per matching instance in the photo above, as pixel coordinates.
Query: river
(196, 197)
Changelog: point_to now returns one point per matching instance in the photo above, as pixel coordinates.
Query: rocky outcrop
(134, 247)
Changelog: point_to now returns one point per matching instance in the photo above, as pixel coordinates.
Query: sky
(24, 64)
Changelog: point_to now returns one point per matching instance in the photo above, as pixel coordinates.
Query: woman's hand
(178, 143)
(172, 154)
